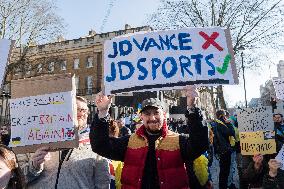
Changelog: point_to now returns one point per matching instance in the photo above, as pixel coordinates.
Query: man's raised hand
(103, 103)
(191, 95)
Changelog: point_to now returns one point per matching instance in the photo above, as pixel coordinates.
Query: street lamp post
(4, 113)
(2, 105)
(243, 68)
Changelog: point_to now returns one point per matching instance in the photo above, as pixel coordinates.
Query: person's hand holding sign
(40, 156)
(191, 95)
(274, 165)
(103, 103)
(257, 158)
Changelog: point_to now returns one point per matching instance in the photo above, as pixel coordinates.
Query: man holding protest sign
(74, 168)
(153, 156)
(258, 145)
(274, 177)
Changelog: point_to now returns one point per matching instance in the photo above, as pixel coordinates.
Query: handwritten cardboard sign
(169, 59)
(262, 142)
(278, 84)
(5, 51)
(255, 119)
(43, 113)
(280, 157)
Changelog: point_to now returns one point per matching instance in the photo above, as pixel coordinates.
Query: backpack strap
(218, 121)
(64, 155)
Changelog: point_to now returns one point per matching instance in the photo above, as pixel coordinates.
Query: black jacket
(250, 175)
(123, 131)
(221, 141)
(274, 182)
(191, 146)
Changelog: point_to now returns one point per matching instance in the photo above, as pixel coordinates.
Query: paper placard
(278, 84)
(169, 59)
(260, 142)
(255, 119)
(43, 117)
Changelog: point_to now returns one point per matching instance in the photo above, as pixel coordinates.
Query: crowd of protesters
(152, 152)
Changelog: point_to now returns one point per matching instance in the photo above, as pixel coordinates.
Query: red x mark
(210, 40)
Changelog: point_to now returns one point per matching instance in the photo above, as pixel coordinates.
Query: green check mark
(225, 65)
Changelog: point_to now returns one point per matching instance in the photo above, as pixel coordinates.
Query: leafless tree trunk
(28, 22)
(211, 92)
(220, 96)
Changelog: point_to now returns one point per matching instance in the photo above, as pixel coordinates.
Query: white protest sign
(278, 84)
(280, 157)
(5, 47)
(42, 119)
(279, 109)
(43, 113)
(255, 119)
(169, 59)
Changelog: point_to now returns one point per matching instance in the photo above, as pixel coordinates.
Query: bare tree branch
(254, 24)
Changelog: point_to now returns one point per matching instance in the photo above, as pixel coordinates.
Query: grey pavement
(215, 169)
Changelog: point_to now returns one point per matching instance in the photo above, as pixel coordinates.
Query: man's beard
(153, 122)
(153, 131)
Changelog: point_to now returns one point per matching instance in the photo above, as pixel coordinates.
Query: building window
(77, 81)
(89, 85)
(28, 69)
(51, 67)
(63, 65)
(17, 71)
(76, 63)
(89, 62)
(39, 68)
